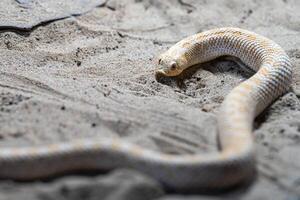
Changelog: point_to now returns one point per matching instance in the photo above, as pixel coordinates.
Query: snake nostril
(173, 66)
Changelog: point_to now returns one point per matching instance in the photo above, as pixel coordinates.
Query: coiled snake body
(233, 164)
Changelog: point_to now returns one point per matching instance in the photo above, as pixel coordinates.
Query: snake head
(167, 66)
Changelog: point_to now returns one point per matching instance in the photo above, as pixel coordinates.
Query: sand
(92, 75)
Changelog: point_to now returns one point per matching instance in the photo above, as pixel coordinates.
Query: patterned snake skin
(232, 165)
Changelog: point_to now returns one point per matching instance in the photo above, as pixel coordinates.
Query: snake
(230, 166)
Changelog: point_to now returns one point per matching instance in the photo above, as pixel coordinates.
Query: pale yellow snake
(233, 164)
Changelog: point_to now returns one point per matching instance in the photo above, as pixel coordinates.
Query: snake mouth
(160, 73)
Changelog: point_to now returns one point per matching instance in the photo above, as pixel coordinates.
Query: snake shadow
(233, 192)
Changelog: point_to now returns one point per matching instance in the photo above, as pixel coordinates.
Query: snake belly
(233, 164)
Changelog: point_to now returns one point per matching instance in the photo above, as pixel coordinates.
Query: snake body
(232, 165)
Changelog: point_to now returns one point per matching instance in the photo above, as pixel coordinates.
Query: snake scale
(234, 163)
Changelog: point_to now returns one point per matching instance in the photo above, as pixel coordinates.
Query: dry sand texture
(92, 75)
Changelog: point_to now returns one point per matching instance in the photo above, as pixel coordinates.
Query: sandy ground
(92, 75)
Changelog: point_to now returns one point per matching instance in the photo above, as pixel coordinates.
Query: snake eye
(173, 66)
